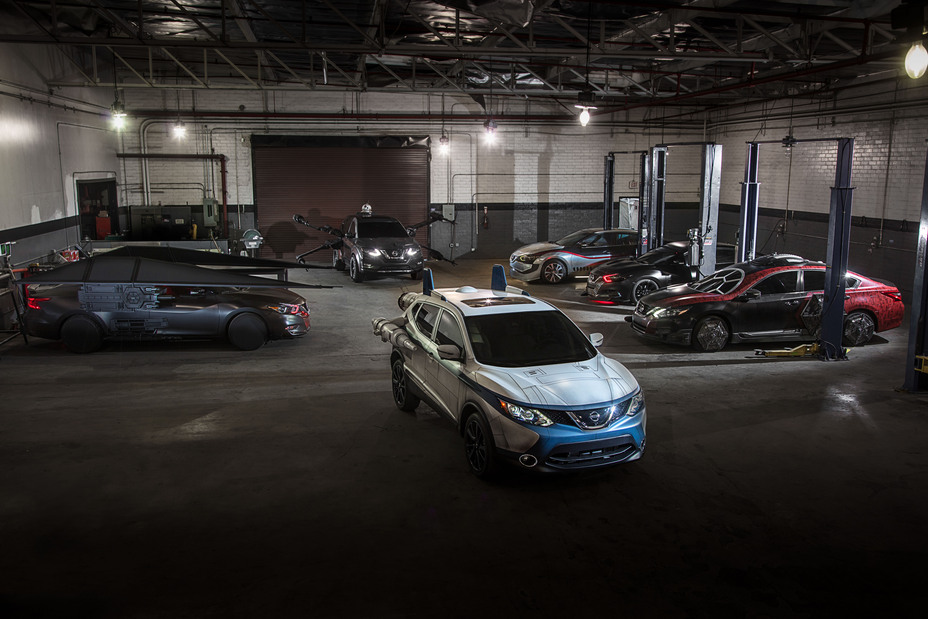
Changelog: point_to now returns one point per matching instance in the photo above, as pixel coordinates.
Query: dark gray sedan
(83, 316)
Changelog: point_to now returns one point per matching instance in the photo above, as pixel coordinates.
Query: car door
(189, 310)
(444, 374)
(619, 244)
(772, 306)
(419, 363)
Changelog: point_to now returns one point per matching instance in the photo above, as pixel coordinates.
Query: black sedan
(626, 281)
(82, 317)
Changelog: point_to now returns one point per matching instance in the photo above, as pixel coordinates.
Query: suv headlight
(413, 251)
(373, 253)
(527, 258)
(636, 405)
(667, 312)
(532, 416)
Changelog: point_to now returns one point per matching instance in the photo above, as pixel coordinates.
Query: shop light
(118, 114)
(490, 127)
(916, 60)
(444, 145)
(585, 104)
(180, 130)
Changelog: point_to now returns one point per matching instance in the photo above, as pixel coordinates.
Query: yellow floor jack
(805, 350)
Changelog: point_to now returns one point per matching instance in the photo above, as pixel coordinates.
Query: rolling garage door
(327, 179)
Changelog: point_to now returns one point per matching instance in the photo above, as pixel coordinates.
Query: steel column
(709, 205)
(838, 244)
(651, 226)
(750, 189)
(608, 190)
(918, 337)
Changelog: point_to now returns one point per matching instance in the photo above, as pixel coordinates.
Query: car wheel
(711, 334)
(479, 447)
(337, 263)
(81, 334)
(858, 329)
(355, 271)
(644, 287)
(247, 332)
(405, 401)
(553, 271)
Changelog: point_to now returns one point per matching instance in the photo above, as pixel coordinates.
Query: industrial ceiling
(697, 54)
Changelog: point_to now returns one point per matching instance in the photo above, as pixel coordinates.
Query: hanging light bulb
(180, 130)
(118, 114)
(490, 127)
(585, 104)
(916, 61)
(444, 144)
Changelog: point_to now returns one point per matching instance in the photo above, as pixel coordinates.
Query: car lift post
(750, 188)
(839, 239)
(709, 205)
(916, 368)
(651, 211)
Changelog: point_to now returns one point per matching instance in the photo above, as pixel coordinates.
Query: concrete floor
(194, 480)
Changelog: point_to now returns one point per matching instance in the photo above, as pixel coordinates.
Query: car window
(720, 282)
(573, 237)
(595, 240)
(380, 229)
(659, 255)
(724, 255)
(349, 226)
(426, 316)
(521, 339)
(449, 332)
(814, 280)
(778, 283)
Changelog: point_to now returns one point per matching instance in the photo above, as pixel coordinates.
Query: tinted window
(778, 283)
(380, 229)
(724, 255)
(523, 339)
(597, 240)
(425, 319)
(574, 237)
(448, 331)
(815, 281)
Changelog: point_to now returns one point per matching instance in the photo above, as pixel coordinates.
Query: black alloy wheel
(405, 401)
(858, 329)
(247, 332)
(81, 334)
(711, 334)
(644, 287)
(478, 446)
(553, 271)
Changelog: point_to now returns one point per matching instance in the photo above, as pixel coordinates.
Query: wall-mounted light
(180, 130)
(490, 127)
(585, 104)
(916, 60)
(444, 144)
(118, 114)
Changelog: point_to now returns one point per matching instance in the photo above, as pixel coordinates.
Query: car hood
(585, 383)
(387, 243)
(538, 248)
(678, 295)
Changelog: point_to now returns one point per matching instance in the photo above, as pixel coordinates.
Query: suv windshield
(380, 229)
(520, 339)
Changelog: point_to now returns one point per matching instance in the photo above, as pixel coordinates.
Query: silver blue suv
(516, 376)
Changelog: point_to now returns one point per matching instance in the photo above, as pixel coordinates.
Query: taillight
(34, 302)
(895, 296)
(608, 279)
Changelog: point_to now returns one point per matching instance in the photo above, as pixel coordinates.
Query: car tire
(81, 334)
(479, 448)
(355, 271)
(644, 287)
(858, 329)
(402, 397)
(337, 263)
(247, 332)
(711, 334)
(553, 271)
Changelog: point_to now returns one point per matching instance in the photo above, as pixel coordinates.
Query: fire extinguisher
(486, 218)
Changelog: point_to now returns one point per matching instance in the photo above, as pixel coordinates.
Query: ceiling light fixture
(180, 130)
(490, 127)
(585, 104)
(916, 60)
(444, 145)
(118, 114)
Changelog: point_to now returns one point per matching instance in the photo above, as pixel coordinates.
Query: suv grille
(588, 455)
(602, 416)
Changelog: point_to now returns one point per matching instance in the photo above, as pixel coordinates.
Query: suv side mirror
(450, 352)
(748, 295)
(596, 339)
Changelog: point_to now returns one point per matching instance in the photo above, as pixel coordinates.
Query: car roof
(472, 301)
(362, 217)
(771, 261)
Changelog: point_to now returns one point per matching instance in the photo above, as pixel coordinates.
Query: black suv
(377, 245)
